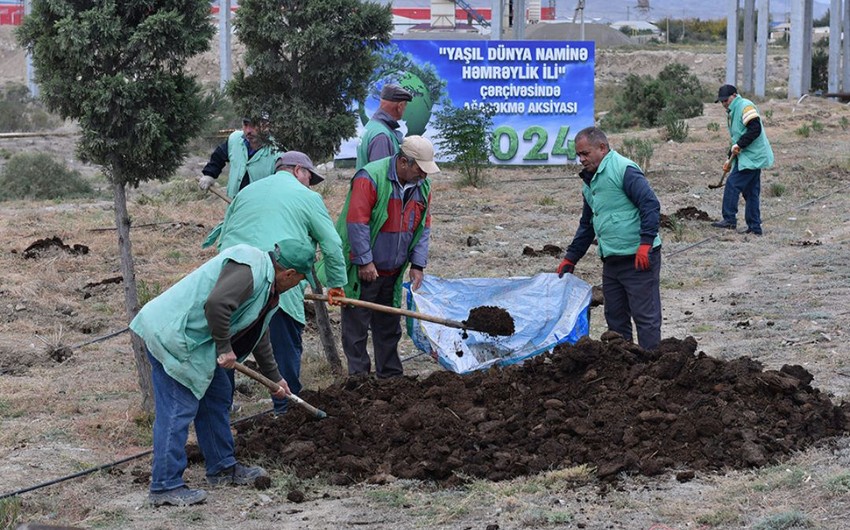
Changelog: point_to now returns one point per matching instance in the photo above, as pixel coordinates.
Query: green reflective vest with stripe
(616, 219)
(174, 325)
(757, 155)
(373, 129)
(260, 166)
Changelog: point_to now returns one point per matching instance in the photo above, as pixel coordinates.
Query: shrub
(466, 140)
(804, 130)
(844, 123)
(817, 126)
(776, 189)
(21, 113)
(646, 102)
(713, 126)
(676, 130)
(38, 176)
(638, 150)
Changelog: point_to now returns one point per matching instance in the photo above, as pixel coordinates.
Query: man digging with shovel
(194, 331)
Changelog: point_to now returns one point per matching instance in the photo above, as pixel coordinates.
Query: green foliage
(148, 292)
(306, 62)
(117, 68)
(820, 66)
(768, 114)
(694, 30)
(38, 176)
(638, 150)
(647, 102)
(839, 484)
(776, 189)
(817, 126)
(804, 130)
(783, 521)
(20, 113)
(676, 130)
(713, 126)
(844, 123)
(10, 512)
(465, 139)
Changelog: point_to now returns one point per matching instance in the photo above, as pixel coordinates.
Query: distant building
(637, 27)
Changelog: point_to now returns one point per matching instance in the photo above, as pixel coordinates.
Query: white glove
(205, 182)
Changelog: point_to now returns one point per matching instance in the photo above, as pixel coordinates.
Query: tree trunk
(131, 297)
(326, 334)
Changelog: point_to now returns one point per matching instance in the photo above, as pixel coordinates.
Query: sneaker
(237, 475)
(723, 224)
(181, 496)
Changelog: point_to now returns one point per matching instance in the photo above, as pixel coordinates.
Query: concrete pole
(749, 40)
(519, 19)
(795, 52)
(761, 49)
(731, 42)
(834, 64)
(224, 41)
(846, 56)
(808, 19)
(33, 88)
(496, 10)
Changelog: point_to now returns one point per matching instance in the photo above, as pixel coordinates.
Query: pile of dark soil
(41, 247)
(607, 404)
(688, 212)
(491, 320)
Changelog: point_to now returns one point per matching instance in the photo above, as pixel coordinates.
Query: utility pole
(33, 88)
(224, 41)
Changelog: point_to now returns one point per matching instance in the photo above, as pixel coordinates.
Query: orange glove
(334, 293)
(565, 267)
(642, 257)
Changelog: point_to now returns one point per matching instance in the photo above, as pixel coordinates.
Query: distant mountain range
(618, 10)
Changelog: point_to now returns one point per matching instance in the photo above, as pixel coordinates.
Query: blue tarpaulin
(547, 311)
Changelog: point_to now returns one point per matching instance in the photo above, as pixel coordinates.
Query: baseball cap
(421, 150)
(263, 117)
(297, 158)
(298, 254)
(393, 92)
(724, 92)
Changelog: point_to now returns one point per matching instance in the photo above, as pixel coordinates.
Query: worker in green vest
(749, 154)
(250, 152)
(194, 333)
(382, 135)
(385, 226)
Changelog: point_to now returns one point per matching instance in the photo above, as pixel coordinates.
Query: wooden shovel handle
(274, 387)
(392, 310)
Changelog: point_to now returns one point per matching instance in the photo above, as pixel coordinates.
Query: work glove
(642, 257)
(205, 182)
(334, 293)
(565, 267)
(735, 150)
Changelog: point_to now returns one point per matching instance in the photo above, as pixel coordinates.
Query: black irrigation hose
(110, 465)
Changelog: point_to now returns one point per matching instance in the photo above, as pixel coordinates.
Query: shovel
(395, 311)
(722, 177)
(274, 387)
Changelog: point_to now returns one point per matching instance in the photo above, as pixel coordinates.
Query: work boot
(723, 224)
(753, 232)
(181, 496)
(237, 475)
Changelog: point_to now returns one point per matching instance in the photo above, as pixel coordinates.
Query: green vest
(379, 170)
(174, 325)
(260, 166)
(373, 129)
(616, 220)
(272, 209)
(758, 154)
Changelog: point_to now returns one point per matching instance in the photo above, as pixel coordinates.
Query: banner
(542, 92)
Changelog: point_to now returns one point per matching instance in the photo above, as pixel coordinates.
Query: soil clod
(43, 246)
(491, 320)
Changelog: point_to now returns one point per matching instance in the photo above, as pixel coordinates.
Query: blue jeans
(285, 335)
(746, 182)
(633, 295)
(176, 408)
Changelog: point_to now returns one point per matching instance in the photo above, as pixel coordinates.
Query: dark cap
(298, 254)
(724, 93)
(395, 93)
(263, 117)
(297, 158)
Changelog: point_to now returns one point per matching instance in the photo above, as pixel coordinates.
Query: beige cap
(421, 150)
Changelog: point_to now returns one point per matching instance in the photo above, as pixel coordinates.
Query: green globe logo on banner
(418, 112)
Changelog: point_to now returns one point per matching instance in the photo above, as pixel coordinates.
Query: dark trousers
(746, 182)
(386, 331)
(285, 334)
(633, 295)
